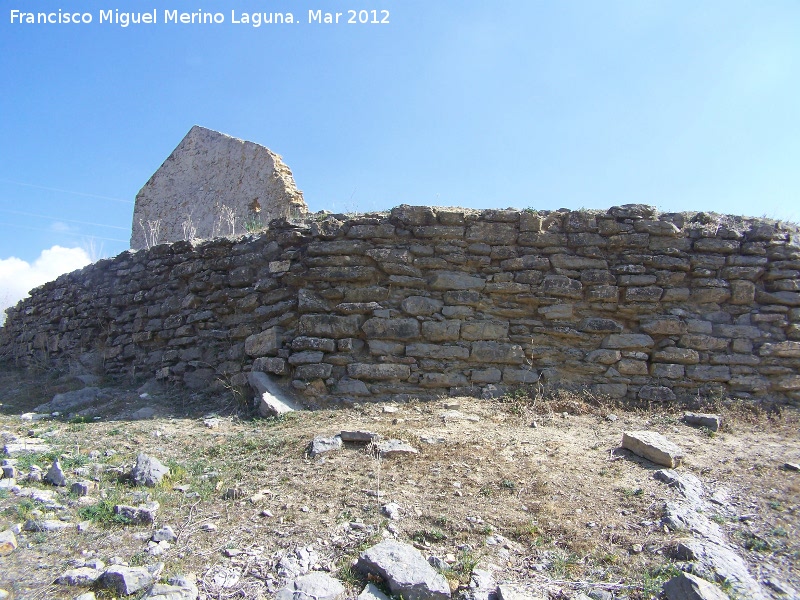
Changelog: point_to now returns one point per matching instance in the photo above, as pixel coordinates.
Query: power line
(83, 235)
(51, 189)
(27, 214)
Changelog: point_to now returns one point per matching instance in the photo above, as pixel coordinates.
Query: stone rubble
(709, 551)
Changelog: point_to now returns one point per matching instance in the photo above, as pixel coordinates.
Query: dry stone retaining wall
(429, 301)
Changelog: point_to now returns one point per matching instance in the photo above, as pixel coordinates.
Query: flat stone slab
(29, 445)
(690, 587)
(322, 445)
(273, 402)
(654, 447)
(405, 570)
(712, 422)
(316, 585)
(395, 448)
(84, 576)
(358, 437)
(514, 592)
(48, 525)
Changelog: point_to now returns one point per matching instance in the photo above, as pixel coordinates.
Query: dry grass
(557, 502)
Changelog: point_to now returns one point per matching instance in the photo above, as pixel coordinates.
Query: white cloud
(18, 277)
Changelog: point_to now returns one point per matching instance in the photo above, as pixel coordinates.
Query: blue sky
(683, 105)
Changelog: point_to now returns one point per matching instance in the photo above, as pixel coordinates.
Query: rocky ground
(526, 495)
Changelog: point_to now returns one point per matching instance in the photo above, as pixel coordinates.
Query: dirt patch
(536, 490)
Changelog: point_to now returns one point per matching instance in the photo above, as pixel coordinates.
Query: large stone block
(654, 447)
(437, 351)
(437, 380)
(421, 305)
(378, 371)
(391, 329)
(211, 185)
(441, 331)
(453, 280)
(492, 233)
(562, 286)
(484, 330)
(628, 341)
(497, 352)
(264, 343)
(329, 326)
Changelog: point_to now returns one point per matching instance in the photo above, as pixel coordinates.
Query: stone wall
(431, 301)
(211, 185)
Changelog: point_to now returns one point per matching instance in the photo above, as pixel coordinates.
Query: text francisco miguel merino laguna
(198, 17)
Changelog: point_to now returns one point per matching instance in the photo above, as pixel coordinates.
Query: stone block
(703, 342)
(525, 263)
(310, 372)
(441, 331)
(524, 376)
(603, 293)
(329, 326)
(712, 422)
(421, 305)
(384, 348)
(716, 245)
(437, 351)
(561, 286)
(788, 349)
(391, 329)
(264, 343)
(600, 325)
(664, 326)
(576, 263)
(556, 311)
(313, 343)
(656, 393)
(497, 352)
(414, 215)
(643, 294)
(378, 371)
(490, 375)
(452, 280)
(628, 341)
(708, 373)
(611, 390)
(691, 587)
(667, 370)
(654, 447)
(270, 365)
(603, 356)
(351, 387)
(656, 228)
(437, 380)
(484, 330)
(306, 357)
(492, 233)
(628, 366)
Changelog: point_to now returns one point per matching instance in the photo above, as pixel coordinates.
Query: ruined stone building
(211, 185)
